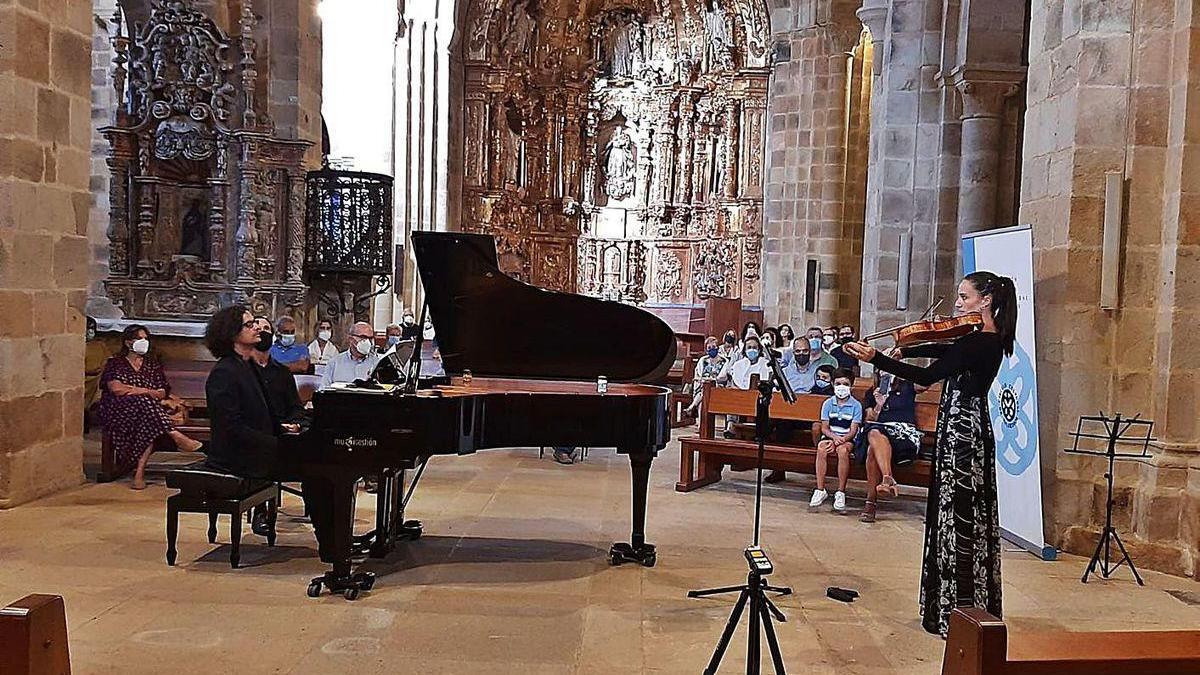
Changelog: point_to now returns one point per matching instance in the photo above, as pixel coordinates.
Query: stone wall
(1115, 87)
(816, 159)
(45, 137)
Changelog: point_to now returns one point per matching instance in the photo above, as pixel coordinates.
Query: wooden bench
(978, 644)
(33, 637)
(703, 457)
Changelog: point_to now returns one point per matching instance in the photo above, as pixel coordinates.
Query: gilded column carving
(732, 119)
(145, 224)
(296, 194)
(683, 182)
(249, 73)
(118, 232)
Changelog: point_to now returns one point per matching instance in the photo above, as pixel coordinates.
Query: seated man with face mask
(285, 350)
(358, 361)
(409, 330)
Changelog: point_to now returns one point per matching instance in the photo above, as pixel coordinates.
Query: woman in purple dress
(132, 388)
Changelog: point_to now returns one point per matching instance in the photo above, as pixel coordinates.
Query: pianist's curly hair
(223, 328)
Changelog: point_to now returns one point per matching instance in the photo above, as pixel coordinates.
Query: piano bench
(206, 490)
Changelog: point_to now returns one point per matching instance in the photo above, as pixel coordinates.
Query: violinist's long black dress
(961, 567)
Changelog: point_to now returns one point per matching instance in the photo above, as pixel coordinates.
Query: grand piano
(525, 368)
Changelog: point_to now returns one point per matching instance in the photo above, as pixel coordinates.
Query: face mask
(730, 340)
(820, 385)
(767, 342)
(801, 358)
(393, 340)
(287, 340)
(140, 346)
(842, 391)
(712, 352)
(363, 347)
(827, 340)
(752, 353)
(814, 343)
(428, 333)
(90, 335)
(324, 335)
(847, 339)
(264, 342)
(408, 321)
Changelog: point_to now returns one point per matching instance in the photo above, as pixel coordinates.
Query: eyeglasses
(362, 337)
(250, 323)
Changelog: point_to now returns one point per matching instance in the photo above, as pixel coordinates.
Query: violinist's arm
(930, 350)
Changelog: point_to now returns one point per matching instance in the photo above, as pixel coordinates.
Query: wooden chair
(978, 644)
(33, 637)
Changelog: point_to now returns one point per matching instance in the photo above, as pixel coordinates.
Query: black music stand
(1115, 429)
(754, 591)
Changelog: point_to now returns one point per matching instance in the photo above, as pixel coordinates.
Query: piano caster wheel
(364, 581)
(411, 530)
(644, 555)
(314, 589)
(350, 594)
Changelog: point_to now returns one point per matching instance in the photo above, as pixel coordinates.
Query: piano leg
(637, 550)
(334, 521)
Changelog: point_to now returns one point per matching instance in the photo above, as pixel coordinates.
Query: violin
(935, 330)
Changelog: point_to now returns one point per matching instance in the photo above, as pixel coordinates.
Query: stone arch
(642, 121)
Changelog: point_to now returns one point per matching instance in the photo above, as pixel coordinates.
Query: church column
(45, 151)
(732, 132)
(979, 164)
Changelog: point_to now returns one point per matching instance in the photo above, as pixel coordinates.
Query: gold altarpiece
(207, 203)
(615, 147)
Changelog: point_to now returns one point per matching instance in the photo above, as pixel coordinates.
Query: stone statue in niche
(668, 278)
(619, 165)
(514, 127)
(717, 52)
(195, 232)
(626, 49)
(517, 41)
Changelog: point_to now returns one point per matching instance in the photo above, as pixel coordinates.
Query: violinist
(961, 567)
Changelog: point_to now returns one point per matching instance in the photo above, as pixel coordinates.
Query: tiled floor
(511, 578)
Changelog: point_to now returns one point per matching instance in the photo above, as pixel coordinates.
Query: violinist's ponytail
(1004, 304)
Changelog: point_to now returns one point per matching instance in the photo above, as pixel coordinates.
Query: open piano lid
(496, 326)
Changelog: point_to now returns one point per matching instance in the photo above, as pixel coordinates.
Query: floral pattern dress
(132, 423)
(961, 562)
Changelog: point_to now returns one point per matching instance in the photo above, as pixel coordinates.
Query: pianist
(245, 430)
(358, 361)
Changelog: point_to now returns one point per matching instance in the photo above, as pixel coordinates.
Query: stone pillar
(979, 163)
(45, 139)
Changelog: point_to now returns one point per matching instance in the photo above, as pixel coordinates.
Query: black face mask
(846, 340)
(801, 358)
(265, 339)
(730, 340)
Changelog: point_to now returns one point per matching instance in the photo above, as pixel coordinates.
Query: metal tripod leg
(1095, 556)
(715, 591)
(772, 641)
(1129, 560)
(727, 635)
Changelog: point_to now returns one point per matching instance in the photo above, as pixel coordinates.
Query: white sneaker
(839, 501)
(818, 498)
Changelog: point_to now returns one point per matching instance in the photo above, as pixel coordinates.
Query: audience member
(845, 335)
(841, 417)
(823, 382)
(133, 406)
(707, 369)
(771, 340)
(95, 355)
(829, 338)
(409, 330)
(801, 374)
(322, 350)
(890, 435)
(729, 345)
(816, 351)
(738, 373)
(357, 362)
(788, 335)
(285, 350)
(279, 381)
(394, 335)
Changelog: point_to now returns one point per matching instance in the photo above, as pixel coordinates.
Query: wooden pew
(33, 637)
(978, 644)
(704, 456)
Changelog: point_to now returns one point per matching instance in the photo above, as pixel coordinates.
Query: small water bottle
(602, 385)
(466, 378)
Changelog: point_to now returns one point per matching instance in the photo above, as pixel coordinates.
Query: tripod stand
(754, 591)
(1115, 428)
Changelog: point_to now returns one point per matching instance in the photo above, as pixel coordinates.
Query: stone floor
(511, 577)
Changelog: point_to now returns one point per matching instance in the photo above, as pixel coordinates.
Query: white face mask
(827, 340)
(325, 335)
(287, 340)
(841, 390)
(140, 346)
(363, 347)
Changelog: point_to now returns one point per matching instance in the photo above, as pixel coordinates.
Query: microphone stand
(754, 591)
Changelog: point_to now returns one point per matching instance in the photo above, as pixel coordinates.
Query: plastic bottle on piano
(602, 385)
